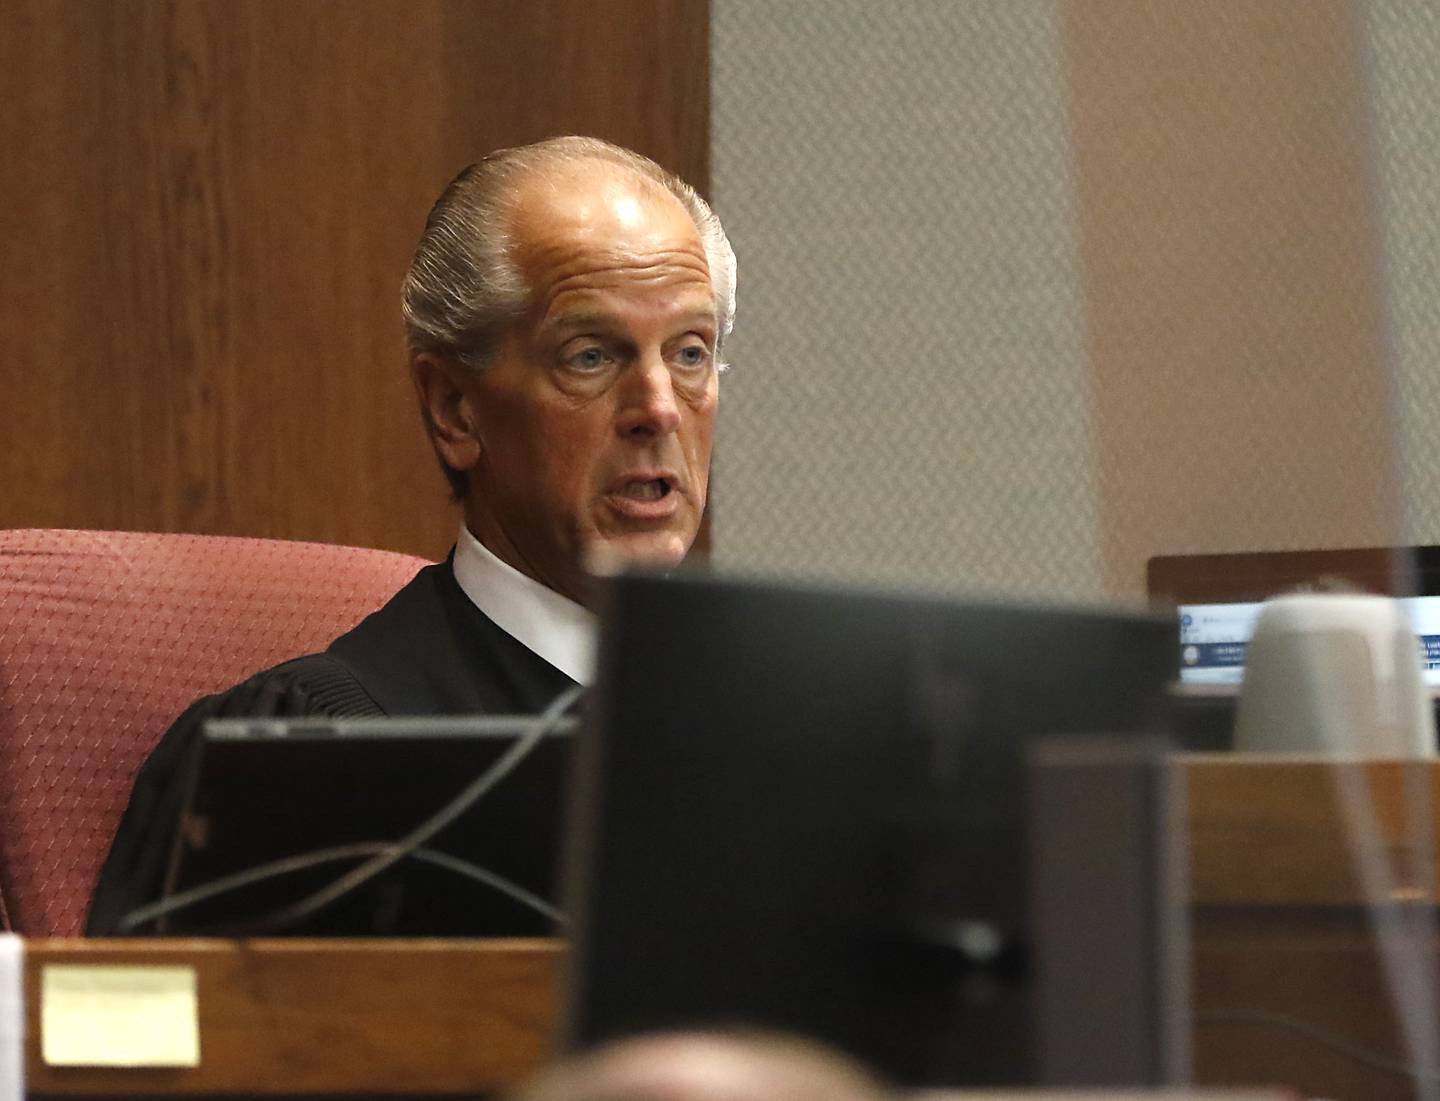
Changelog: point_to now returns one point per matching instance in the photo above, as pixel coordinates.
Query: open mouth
(652, 490)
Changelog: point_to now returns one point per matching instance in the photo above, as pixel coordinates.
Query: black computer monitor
(803, 808)
(294, 804)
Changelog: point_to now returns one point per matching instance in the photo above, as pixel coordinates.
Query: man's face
(596, 415)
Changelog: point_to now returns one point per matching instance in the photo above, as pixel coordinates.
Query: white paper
(12, 1018)
(106, 1015)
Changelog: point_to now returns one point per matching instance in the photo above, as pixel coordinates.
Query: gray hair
(462, 290)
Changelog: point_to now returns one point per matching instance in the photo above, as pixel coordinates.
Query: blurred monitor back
(263, 790)
(805, 809)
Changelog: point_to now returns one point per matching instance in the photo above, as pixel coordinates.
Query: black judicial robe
(428, 651)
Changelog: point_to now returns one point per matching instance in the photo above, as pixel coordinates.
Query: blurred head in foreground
(707, 1067)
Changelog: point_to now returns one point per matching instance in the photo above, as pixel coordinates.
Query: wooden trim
(312, 1016)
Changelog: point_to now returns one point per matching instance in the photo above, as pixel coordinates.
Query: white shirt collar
(553, 626)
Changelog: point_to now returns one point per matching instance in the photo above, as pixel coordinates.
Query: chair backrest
(105, 637)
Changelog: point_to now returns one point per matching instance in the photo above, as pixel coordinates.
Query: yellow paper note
(119, 1016)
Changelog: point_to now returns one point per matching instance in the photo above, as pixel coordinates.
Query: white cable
(144, 915)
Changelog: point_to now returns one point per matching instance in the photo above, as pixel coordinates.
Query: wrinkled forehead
(594, 216)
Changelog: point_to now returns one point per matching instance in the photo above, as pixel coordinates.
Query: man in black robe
(565, 312)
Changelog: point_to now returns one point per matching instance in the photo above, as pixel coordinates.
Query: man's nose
(648, 405)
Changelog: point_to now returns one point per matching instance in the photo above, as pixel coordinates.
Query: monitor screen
(804, 808)
(1218, 598)
(1214, 639)
(294, 804)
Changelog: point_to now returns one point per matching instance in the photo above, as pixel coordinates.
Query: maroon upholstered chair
(105, 637)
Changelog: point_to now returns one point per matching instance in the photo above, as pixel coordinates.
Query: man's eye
(588, 359)
(693, 355)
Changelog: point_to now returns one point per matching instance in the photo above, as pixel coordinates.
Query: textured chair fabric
(105, 637)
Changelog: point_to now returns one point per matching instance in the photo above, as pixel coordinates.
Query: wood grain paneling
(207, 209)
(326, 1017)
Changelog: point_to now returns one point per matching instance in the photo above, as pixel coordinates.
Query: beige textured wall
(1404, 40)
(1034, 289)
(907, 403)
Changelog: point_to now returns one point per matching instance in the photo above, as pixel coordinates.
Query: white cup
(1335, 673)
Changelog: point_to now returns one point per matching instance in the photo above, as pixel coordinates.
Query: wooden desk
(1277, 927)
(329, 1017)
(1279, 924)
(1274, 833)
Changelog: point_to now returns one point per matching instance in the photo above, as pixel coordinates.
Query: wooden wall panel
(206, 210)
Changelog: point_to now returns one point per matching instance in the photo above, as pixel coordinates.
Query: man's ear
(446, 406)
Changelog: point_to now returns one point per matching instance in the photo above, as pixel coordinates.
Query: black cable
(144, 915)
(1322, 1036)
